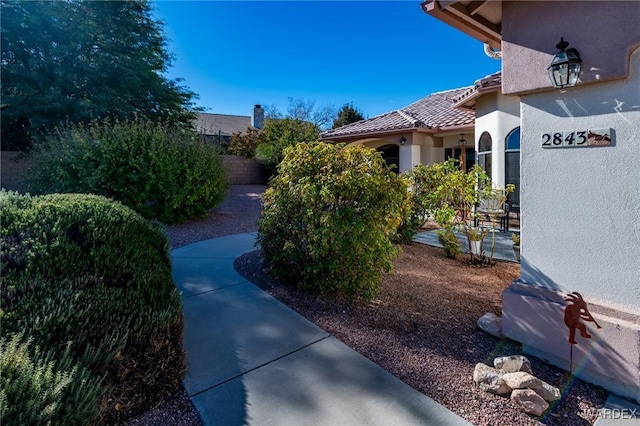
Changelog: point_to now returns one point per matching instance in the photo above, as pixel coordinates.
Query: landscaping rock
(489, 379)
(513, 364)
(491, 324)
(529, 401)
(522, 380)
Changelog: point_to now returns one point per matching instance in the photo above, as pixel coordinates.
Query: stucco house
(475, 123)
(580, 176)
(419, 133)
(496, 132)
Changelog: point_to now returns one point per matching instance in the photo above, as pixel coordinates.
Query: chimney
(257, 120)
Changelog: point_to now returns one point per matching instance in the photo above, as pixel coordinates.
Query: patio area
(503, 244)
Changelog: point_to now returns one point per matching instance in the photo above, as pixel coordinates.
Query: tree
(271, 112)
(303, 110)
(306, 111)
(74, 61)
(348, 114)
(280, 134)
(245, 144)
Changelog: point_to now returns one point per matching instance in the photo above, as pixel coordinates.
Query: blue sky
(378, 55)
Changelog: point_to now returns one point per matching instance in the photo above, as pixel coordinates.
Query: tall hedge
(163, 173)
(328, 216)
(87, 282)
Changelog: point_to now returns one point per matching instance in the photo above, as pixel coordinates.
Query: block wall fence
(14, 167)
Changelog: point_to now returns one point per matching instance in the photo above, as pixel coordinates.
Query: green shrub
(245, 144)
(328, 216)
(162, 173)
(428, 185)
(88, 277)
(40, 389)
(449, 242)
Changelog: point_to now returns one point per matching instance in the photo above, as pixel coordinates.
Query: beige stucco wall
(580, 230)
(604, 32)
(432, 150)
(419, 147)
(411, 151)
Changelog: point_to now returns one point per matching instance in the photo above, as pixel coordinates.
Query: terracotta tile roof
(223, 124)
(486, 84)
(435, 111)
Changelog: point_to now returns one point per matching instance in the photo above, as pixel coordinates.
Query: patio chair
(495, 209)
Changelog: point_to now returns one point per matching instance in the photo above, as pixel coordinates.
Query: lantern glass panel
(559, 74)
(574, 73)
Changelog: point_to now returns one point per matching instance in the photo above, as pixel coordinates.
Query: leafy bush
(328, 216)
(449, 242)
(428, 185)
(245, 144)
(450, 195)
(162, 173)
(90, 280)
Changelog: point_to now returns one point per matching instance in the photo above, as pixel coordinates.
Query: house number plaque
(576, 138)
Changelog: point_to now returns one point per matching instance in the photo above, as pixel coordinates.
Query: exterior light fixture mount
(462, 141)
(403, 140)
(564, 69)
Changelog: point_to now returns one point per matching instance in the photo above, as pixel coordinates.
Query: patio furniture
(495, 209)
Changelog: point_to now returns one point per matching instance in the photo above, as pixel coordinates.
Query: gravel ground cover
(421, 327)
(237, 214)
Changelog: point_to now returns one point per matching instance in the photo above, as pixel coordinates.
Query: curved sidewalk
(253, 360)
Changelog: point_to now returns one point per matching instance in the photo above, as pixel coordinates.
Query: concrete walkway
(503, 244)
(252, 360)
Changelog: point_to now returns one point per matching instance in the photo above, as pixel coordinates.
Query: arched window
(512, 165)
(391, 155)
(484, 152)
(513, 140)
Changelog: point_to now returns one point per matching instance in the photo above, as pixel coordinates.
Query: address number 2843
(577, 138)
(564, 139)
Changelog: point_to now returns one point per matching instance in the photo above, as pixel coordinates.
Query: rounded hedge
(162, 173)
(90, 280)
(328, 217)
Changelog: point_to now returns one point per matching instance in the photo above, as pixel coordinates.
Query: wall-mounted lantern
(403, 140)
(462, 141)
(565, 66)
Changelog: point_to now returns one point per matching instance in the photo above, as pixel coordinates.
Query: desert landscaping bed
(421, 327)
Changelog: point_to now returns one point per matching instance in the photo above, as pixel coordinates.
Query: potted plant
(516, 245)
(475, 237)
